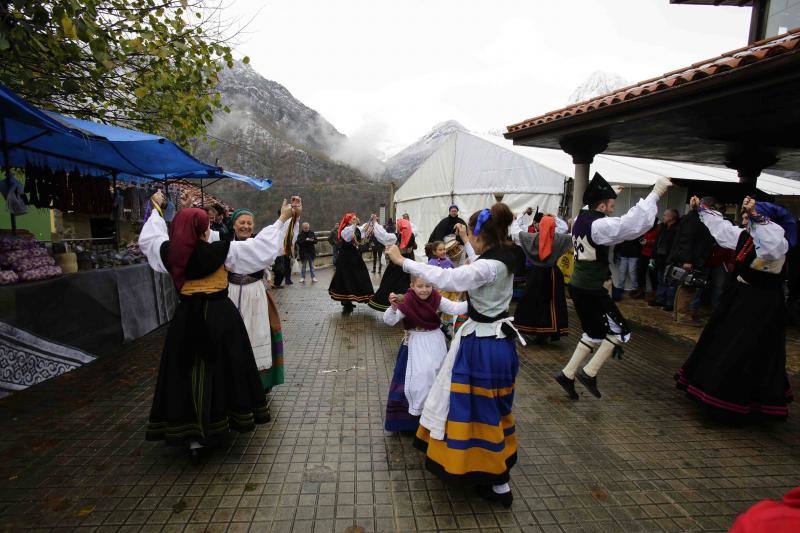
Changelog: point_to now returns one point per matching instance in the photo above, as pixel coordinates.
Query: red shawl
(187, 228)
(345, 222)
(547, 231)
(420, 314)
(404, 229)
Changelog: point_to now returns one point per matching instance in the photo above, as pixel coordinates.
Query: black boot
(589, 382)
(487, 493)
(347, 308)
(567, 384)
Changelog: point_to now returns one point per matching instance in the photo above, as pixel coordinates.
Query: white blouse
(635, 223)
(244, 257)
(768, 238)
(392, 316)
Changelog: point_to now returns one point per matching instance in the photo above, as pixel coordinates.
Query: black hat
(598, 190)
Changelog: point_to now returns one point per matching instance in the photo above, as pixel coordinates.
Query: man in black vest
(604, 327)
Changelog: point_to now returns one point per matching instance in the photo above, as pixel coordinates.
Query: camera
(677, 276)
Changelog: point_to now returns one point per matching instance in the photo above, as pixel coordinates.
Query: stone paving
(644, 458)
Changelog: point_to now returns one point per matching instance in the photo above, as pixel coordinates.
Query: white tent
(470, 171)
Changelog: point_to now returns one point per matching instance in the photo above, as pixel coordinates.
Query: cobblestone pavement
(643, 458)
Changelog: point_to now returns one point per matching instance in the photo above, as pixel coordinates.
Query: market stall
(86, 284)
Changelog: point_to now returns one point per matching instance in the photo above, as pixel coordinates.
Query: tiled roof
(194, 194)
(736, 59)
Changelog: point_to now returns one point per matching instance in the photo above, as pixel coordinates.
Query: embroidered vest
(591, 259)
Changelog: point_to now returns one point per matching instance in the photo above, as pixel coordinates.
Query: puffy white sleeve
(213, 236)
(348, 232)
(383, 236)
(516, 228)
(471, 255)
(463, 278)
(153, 235)
(252, 255)
(638, 219)
(392, 316)
(449, 307)
(770, 242)
(723, 231)
(562, 226)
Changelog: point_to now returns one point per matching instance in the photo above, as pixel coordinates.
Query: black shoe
(347, 308)
(487, 493)
(555, 337)
(589, 382)
(197, 455)
(567, 384)
(289, 282)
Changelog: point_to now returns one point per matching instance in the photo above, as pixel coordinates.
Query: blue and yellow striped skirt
(480, 444)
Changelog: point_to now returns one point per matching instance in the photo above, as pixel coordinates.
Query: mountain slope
(405, 162)
(270, 133)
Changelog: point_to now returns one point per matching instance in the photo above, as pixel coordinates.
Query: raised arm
(724, 232)
(383, 236)
(449, 307)
(639, 219)
(252, 255)
(153, 235)
(463, 278)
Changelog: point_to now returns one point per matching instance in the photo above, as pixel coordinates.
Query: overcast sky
(388, 70)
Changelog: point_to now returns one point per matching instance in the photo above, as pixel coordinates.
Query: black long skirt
(738, 367)
(394, 280)
(542, 310)
(208, 382)
(351, 281)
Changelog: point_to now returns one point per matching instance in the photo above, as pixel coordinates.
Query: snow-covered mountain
(402, 164)
(597, 84)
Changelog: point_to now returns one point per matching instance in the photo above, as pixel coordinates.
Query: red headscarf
(547, 230)
(345, 221)
(187, 228)
(405, 231)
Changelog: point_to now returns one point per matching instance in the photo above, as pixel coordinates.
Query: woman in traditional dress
(467, 428)
(249, 294)
(738, 366)
(542, 310)
(208, 381)
(351, 282)
(394, 279)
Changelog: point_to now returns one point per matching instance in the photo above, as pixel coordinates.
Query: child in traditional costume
(467, 427)
(394, 279)
(437, 252)
(208, 381)
(351, 282)
(605, 330)
(421, 352)
(738, 366)
(542, 310)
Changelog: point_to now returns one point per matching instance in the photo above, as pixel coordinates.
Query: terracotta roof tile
(783, 44)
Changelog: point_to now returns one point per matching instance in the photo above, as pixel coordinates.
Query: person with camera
(688, 271)
(605, 330)
(738, 367)
(665, 293)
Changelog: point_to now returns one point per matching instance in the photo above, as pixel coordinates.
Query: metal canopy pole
(7, 166)
(115, 213)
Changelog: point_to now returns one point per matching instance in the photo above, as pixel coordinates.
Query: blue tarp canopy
(30, 135)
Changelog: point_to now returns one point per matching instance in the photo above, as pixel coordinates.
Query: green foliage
(147, 64)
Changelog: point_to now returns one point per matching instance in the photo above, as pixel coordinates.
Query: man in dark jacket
(691, 250)
(307, 245)
(665, 295)
(333, 240)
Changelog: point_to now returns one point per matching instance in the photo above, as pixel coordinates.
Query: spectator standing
(643, 270)
(333, 240)
(377, 251)
(307, 244)
(665, 295)
(626, 255)
(690, 251)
